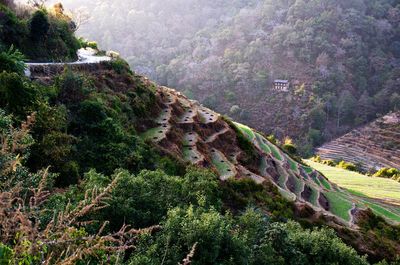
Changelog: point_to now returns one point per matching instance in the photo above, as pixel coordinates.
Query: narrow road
(86, 56)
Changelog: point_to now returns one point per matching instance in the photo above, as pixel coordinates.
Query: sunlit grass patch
(379, 210)
(293, 165)
(246, 131)
(325, 183)
(356, 183)
(340, 206)
(262, 145)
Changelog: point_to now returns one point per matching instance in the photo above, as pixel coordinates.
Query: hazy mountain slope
(227, 55)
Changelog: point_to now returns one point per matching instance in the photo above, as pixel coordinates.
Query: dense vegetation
(76, 178)
(38, 34)
(346, 53)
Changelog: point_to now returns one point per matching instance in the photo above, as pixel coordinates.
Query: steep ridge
(375, 145)
(188, 131)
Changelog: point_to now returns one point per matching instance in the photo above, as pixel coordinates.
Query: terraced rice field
(199, 136)
(223, 166)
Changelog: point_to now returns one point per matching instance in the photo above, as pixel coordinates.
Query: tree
(37, 3)
(39, 25)
(345, 107)
(365, 107)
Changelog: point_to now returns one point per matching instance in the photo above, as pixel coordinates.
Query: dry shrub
(63, 240)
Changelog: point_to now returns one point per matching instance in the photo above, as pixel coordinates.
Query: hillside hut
(281, 85)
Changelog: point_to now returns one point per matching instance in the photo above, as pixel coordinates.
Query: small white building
(281, 85)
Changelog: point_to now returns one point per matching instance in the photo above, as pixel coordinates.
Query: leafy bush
(17, 96)
(88, 44)
(39, 25)
(347, 166)
(318, 159)
(289, 146)
(392, 173)
(12, 60)
(144, 199)
(120, 66)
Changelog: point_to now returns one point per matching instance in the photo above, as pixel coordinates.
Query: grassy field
(340, 205)
(378, 188)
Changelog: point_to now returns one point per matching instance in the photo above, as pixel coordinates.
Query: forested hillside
(99, 165)
(346, 53)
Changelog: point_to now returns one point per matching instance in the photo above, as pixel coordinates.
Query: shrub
(331, 163)
(347, 166)
(12, 60)
(39, 25)
(16, 96)
(392, 173)
(120, 66)
(289, 146)
(93, 45)
(88, 44)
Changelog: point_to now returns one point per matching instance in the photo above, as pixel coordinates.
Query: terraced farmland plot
(210, 143)
(263, 146)
(188, 116)
(190, 154)
(225, 168)
(207, 116)
(156, 134)
(246, 131)
(260, 141)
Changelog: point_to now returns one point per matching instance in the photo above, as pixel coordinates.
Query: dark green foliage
(39, 25)
(240, 194)
(120, 66)
(11, 28)
(16, 95)
(42, 37)
(245, 239)
(290, 148)
(6, 254)
(143, 200)
(12, 60)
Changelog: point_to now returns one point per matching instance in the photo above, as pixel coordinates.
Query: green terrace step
(225, 168)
